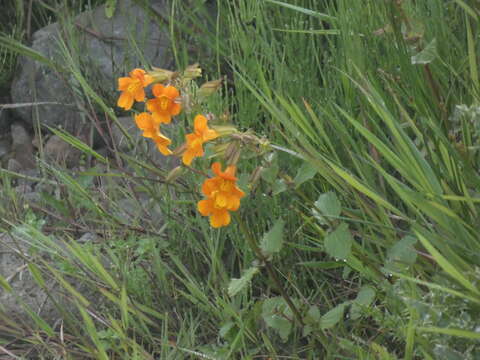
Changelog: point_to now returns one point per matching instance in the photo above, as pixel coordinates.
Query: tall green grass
(378, 103)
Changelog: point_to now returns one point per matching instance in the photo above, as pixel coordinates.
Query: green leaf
(364, 298)
(333, 317)
(270, 173)
(403, 251)
(279, 186)
(329, 207)
(313, 315)
(427, 55)
(338, 243)
(110, 7)
(272, 241)
(451, 332)
(305, 173)
(237, 285)
(275, 313)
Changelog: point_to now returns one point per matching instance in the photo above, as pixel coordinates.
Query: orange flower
(196, 139)
(163, 107)
(162, 142)
(223, 196)
(145, 122)
(132, 88)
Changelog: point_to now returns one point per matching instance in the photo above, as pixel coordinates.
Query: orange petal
(137, 73)
(140, 95)
(147, 80)
(205, 207)
(151, 105)
(217, 168)
(188, 157)
(175, 109)
(233, 203)
(125, 101)
(149, 133)
(229, 173)
(190, 139)
(200, 123)
(158, 90)
(144, 121)
(163, 149)
(220, 218)
(221, 200)
(171, 92)
(123, 83)
(161, 118)
(209, 134)
(209, 186)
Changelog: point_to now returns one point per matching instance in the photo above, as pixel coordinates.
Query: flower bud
(225, 130)
(161, 75)
(192, 72)
(208, 89)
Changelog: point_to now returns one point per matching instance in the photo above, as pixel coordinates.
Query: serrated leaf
(272, 241)
(305, 173)
(329, 207)
(338, 243)
(237, 285)
(110, 7)
(427, 55)
(333, 317)
(364, 298)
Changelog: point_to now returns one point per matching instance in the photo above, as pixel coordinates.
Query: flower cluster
(222, 193)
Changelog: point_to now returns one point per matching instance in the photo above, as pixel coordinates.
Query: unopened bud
(208, 89)
(225, 130)
(161, 75)
(234, 154)
(174, 174)
(192, 72)
(230, 150)
(255, 177)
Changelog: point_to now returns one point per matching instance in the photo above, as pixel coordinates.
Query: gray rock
(5, 116)
(22, 149)
(5, 146)
(105, 54)
(14, 269)
(58, 151)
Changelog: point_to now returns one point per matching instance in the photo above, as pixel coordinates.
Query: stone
(5, 146)
(105, 55)
(60, 152)
(22, 149)
(5, 115)
(14, 269)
